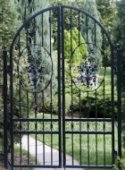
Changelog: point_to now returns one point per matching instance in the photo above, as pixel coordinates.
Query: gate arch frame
(60, 9)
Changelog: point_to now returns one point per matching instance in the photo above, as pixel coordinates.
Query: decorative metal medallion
(88, 73)
(35, 68)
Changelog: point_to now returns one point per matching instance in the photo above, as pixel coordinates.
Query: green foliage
(8, 21)
(107, 10)
(28, 8)
(72, 50)
(91, 7)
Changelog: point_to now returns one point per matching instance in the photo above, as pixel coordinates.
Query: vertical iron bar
(79, 38)
(63, 89)
(80, 110)
(11, 108)
(104, 106)
(59, 84)
(119, 86)
(95, 33)
(35, 95)
(20, 108)
(96, 127)
(88, 126)
(80, 127)
(28, 127)
(86, 23)
(104, 123)
(43, 129)
(51, 86)
(20, 112)
(42, 29)
(4, 51)
(112, 102)
(72, 115)
(42, 22)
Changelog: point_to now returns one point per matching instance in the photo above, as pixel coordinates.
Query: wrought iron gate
(62, 91)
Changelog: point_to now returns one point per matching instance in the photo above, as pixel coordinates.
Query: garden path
(47, 156)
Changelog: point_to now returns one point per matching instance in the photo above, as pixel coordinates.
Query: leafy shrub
(78, 50)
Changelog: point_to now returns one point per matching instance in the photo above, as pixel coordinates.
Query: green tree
(8, 25)
(8, 21)
(107, 11)
(27, 8)
(90, 6)
(78, 52)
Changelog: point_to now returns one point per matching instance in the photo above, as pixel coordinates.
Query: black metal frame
(4, 54)
(62, 85)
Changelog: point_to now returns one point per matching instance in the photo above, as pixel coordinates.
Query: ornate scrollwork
(86, 75)
(36, 72)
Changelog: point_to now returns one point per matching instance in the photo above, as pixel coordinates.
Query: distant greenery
(24, 157)
(81, 50)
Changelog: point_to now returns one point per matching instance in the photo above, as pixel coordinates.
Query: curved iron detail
(34, 74)
(62, 88)
(87, 76)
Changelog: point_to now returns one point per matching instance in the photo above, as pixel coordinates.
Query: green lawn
(24, 157)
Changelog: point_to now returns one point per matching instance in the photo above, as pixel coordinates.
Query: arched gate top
(61, 8)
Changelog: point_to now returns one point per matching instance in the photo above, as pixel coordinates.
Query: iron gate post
(4, 54)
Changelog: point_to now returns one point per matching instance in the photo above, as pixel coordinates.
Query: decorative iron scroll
(88, 74)
(35, 75)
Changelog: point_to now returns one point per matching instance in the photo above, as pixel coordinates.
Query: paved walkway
(47, 154)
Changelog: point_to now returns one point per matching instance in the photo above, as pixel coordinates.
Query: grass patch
(16, 157)
(18, 160)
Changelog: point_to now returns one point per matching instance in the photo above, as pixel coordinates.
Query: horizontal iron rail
(36, 166)
(35, 132)
(89, 132)
(33, 166)
(67, 132)
(74, 119)
(66, 166)
(90, 166)
(90, 119)
(34, 120)
(57, 166)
